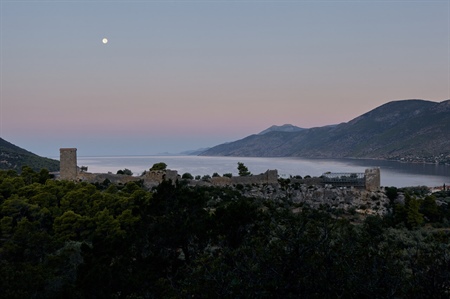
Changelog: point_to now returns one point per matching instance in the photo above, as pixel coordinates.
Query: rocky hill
(403, 130)
(14, 157)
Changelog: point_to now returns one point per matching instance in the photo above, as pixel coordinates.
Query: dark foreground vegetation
(59, 239)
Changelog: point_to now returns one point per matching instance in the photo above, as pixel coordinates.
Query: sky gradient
(180, 75)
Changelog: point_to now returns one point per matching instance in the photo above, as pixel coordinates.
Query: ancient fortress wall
(154, 178)
(269, 177)
(150, 178)
(69, 171)
(101, 177)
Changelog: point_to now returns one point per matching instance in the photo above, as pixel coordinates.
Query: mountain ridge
(399, 130)
(282, 128)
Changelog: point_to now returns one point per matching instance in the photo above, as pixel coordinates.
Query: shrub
(159, 166)
(187, 176)
(125, 171)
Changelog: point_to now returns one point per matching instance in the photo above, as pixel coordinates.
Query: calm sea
(392, 173)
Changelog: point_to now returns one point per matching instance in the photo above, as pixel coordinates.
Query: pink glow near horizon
(211, 72)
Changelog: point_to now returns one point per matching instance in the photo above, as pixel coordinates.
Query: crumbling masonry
(69, 171)
(68, 163)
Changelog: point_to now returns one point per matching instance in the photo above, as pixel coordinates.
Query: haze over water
(392, 173)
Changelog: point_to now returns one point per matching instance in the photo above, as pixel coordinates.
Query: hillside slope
(14, 157)
(396, 130)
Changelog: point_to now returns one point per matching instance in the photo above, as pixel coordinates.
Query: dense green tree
(243, 170)
(181, 216)
(71, 227)
(206, 178)
(413, 216)
(430, 209)
(391, 193)
(187, 176)
(29, 175)
(10, 185)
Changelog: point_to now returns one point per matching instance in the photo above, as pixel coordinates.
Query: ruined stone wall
(118, 179)
(69, 171)
(272, 176)
(269, 177)
(68, 163)
(310, 191)
(154, 178)
(221, 181)
(150, 179)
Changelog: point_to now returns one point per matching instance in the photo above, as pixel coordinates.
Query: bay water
(392, 173)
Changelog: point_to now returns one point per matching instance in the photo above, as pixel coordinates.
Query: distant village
(441, 159)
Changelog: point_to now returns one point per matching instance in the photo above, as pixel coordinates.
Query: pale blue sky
(178, 75)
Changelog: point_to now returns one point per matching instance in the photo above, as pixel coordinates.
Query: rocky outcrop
(363, 201)
(370, 202)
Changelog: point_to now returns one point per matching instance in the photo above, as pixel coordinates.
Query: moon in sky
(105, 40)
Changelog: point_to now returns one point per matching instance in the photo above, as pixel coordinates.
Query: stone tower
(68, 163)
(373, 179)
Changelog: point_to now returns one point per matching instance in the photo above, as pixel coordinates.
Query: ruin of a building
(68, 163)
(372, 179)
(369, 180)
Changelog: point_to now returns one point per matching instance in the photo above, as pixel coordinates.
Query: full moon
(105, 40)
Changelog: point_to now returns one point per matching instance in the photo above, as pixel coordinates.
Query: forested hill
(14, 157)
(396, 130)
